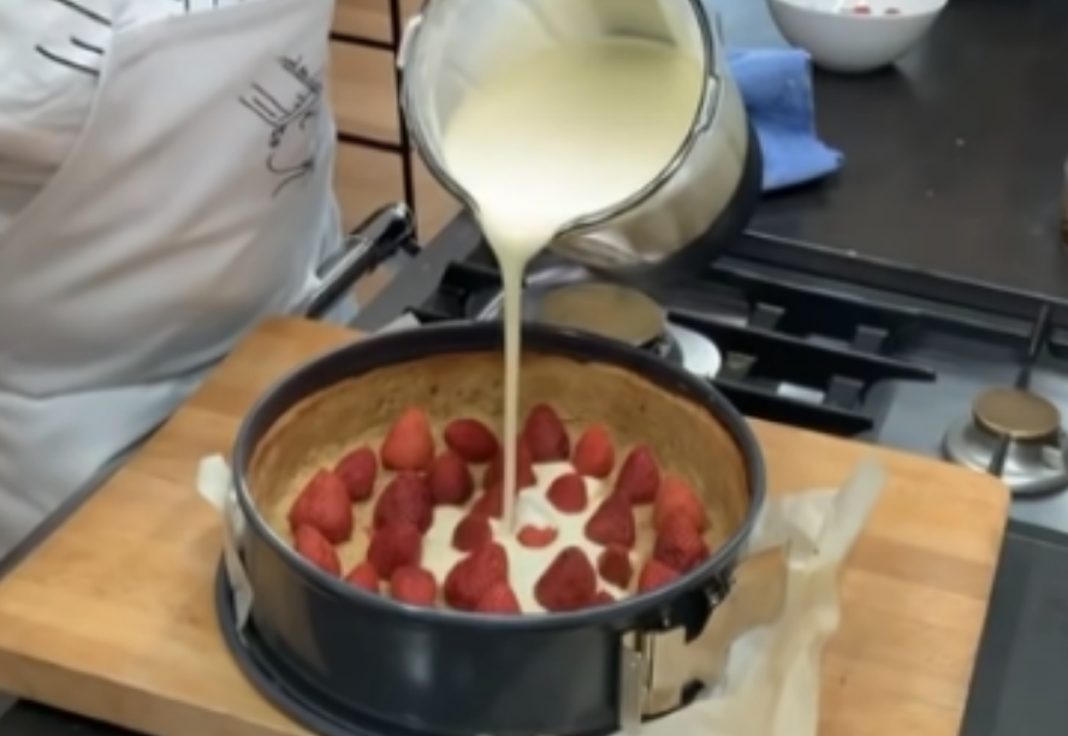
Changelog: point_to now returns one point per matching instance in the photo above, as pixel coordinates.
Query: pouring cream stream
(559, 135)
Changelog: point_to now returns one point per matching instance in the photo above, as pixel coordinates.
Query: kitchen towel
(776, 85)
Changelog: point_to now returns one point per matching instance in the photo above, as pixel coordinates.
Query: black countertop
(954, 163)
(954, 159)
(1018, 685)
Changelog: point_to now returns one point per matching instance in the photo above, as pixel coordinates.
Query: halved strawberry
(469, 580)
(655, 575)
(324, 504)
(594, 452)
(449, 479)
(498, 599)
(405, 499)
(569, 583)
(676, 496)
(396, 545)
(536, 537)
(358, 471)
(413, 585)
(364, 576)
(568, 493)
(546, 435)
(490, 503)
(639, 478)
(472, 440)
(614, 565)
(603, 598)
(316, 549)
(472, 532)
(524, 468)
(679, 545)
(409, 444)
(612, 523)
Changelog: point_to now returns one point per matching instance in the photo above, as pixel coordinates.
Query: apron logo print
(287, 104)
(76, 53)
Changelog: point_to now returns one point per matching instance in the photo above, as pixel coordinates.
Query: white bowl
(843, 39)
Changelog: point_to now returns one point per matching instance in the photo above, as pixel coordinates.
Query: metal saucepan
(703, 197)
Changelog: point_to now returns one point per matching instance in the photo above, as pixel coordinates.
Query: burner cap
(698, 354)
(604, 309)
(1016, 435)
(1017, 414)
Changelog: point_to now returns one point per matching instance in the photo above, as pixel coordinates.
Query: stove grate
(777, 366)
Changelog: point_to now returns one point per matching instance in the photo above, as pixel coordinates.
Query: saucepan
(703, 197)
(384, 667)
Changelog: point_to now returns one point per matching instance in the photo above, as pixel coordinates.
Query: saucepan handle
(381, 236)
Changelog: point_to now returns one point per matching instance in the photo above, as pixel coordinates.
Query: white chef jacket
(165, 183)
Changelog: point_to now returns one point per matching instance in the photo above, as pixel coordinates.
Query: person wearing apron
(165, 183)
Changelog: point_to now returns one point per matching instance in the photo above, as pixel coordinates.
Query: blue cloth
(776, 85)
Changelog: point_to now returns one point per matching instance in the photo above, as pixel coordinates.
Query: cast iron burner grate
(790, 353)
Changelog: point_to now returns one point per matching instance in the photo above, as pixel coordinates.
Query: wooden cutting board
(113, 616)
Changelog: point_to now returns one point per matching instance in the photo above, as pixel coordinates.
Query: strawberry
(472, 576)
(472, 440)
(472, 532)
(406, 498)
(316, 549)
(639, 478)
(393, 546)
(569, 583)
(679, 545)
(603, 598)
(612, 523)
(449, 479)
(490, 503)
(413, 585)
(409, 444)
(614, 566)
(677, 496)
(524, 469)
(536, 537)
(568, 493)
(594, 454)
(499, 598)
(546, 435)
(324, 503)
(655, 575)
(358, 471)
(364, 576)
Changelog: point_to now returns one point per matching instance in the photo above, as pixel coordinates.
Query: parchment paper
(771, 686)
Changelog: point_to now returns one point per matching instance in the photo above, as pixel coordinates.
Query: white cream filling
(525, 564)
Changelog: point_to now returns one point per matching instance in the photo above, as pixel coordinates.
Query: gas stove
(793, 333)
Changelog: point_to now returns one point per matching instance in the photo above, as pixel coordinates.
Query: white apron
(196, 201)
